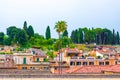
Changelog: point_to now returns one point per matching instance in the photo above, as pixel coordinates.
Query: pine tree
(48, 33)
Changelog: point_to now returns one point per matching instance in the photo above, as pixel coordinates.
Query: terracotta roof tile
(92, 69)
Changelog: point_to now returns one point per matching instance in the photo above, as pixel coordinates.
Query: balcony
(76, 58)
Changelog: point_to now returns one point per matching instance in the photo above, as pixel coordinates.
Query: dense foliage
(26, 37)
(98, 35)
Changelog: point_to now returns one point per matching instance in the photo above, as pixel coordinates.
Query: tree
(50, 54)
(48, 34)
(25, 26)
(12, 33)
(72, 36)
(1, 38)
(65, 33)
(80, 36)
(49, 41)
(98, 32)
(36, 35)
(86, 34)
(57, 45)
(76, 36)
(7, 41)
(113, 37)
(60, 27)
(65, 42)
(118, 38)
(30, 32)
(22, 37)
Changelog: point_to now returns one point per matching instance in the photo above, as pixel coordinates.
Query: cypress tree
(25, 26)
(113, 37)
(48, 33)
(118, 38)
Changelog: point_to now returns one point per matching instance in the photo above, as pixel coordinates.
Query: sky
(77, 14)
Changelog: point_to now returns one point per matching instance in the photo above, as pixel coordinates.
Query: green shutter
(37, 59)
(24, 60)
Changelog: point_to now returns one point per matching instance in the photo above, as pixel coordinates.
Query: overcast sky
(77, 13)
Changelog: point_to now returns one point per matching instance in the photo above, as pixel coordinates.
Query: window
(91, 63)
(37, 59)
(101, 63)
(24, 60)
(68, 54)
(72, 63)
(24, 67)
(78, 63)
(46, 68)
(76, 55)
(16, 60)
(84, 63)
(33, 52)
(45, 59)
(107, 62)
(31, 68)
(115, 62)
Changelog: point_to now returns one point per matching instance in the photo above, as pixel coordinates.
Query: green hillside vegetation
(26, 37)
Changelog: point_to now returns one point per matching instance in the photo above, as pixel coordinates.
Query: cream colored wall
(20, 59)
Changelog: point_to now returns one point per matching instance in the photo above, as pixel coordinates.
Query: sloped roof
(39, 52)
(92, 69)
(71, 50)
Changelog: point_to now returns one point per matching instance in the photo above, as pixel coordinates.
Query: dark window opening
(72, 63)
(84, 63)
(107, 63)
(24, 67)
(91, 63)
(115, 62)
(76, 55)
(78, 63)
(101, 63)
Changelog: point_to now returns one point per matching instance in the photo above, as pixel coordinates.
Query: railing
(77, 58)
(74, 57)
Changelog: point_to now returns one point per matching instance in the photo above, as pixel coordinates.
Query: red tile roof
(91, 69)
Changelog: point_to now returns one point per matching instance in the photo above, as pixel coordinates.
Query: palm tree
(60, 27)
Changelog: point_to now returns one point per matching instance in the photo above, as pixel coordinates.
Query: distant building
(6, 61)
(32, 60)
